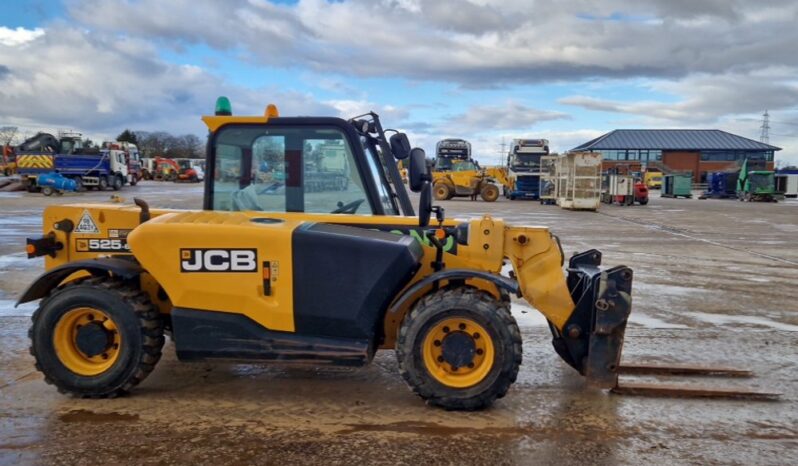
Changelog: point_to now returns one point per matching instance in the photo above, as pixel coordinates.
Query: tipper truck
(45, 154)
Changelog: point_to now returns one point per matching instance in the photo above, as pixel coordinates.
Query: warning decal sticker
(86, 224)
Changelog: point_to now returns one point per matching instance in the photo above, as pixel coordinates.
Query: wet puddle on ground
(86, 416)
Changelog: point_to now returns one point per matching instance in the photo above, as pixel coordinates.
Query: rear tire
(442, 192)
(102, 183)
(481, 326)
(121, 328)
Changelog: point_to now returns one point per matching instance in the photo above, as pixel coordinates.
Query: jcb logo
(218, 260)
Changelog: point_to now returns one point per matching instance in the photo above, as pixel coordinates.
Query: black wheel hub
(458, 349)
(93, 339)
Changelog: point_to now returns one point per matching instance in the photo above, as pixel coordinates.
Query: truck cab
(524, 168)
(449, 152)
(653, 179)
(133, 158)
(118, 174)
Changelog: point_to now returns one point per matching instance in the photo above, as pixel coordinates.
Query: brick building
(697, 151)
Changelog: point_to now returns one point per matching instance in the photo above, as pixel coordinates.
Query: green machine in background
(677, 185)
(756, 185)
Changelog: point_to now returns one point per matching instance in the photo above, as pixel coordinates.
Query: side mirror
(417, 173)
(425, 205)
(400, 146)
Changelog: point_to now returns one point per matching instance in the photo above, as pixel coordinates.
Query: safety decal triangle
(86, 224)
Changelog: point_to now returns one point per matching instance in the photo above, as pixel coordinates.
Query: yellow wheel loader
(272, 271)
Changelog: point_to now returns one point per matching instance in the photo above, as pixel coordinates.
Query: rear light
(44, 246)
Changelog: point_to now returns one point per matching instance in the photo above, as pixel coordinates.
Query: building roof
(673, 139)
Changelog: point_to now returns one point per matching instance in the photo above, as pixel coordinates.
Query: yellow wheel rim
(458, 352)
(94, 324)
(441, 192)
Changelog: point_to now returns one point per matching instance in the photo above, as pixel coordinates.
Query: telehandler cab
(270, 270)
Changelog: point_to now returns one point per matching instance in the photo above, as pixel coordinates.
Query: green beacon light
(223, 107)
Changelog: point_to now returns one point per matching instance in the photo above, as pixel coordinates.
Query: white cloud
(719, 60)
(702, 99)
(350, 108)
(100, 83)
(474, 43)
(18, 36)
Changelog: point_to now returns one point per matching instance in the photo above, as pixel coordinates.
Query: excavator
(270, 271)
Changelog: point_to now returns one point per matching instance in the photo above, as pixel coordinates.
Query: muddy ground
(715, 282)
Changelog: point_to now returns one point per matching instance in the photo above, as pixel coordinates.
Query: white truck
(524, 168)
(787, 184)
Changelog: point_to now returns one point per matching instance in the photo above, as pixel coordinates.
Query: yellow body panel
(500, 175)
(156, 245)
(215, 122)
(537, 262)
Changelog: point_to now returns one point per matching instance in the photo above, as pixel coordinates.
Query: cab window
(284, 169)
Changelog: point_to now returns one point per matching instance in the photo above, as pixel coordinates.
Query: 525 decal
(218, 260)
(102, 245)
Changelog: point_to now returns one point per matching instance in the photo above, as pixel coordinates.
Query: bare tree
(7, 134)
(163, 144)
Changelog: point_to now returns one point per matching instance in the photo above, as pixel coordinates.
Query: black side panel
(345, 277)
(205, 334)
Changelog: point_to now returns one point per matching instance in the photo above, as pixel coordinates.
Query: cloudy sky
(567, 70)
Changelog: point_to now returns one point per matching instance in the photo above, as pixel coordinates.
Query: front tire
(97, 337)
(489, 193)
(117, 183)
(459, 348)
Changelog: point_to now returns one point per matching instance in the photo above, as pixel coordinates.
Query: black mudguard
(501, 282)
(124, 268)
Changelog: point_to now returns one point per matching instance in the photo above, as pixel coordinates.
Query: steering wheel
(350, 208)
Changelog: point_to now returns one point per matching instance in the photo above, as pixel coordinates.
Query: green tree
(128, 136)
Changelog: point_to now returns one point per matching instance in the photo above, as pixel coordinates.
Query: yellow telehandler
(272, 271)
(467, 179)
